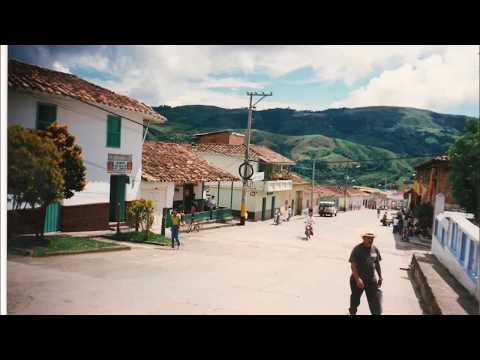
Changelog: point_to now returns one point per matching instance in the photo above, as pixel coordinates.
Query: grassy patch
(55, 244)
(140, 237)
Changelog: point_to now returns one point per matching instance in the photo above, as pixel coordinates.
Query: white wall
(228, 163)
(89, 125)
(161, 194)
(449, 258)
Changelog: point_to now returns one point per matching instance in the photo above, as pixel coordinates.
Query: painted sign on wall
(119, 163)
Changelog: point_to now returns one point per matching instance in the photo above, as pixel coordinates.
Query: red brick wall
(222, 138)
(89, 217)
(236, 139)
(24, 222)
(440, 177)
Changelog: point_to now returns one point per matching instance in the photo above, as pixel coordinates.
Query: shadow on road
(405, 245)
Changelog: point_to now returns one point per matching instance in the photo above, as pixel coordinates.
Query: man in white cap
(365, 259)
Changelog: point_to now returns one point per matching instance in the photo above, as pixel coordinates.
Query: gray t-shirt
(365, 259)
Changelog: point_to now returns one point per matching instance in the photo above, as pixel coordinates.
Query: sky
(443, 79)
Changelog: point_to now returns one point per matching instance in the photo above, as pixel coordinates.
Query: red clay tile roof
(327, 190)
(334, 190)
(34, 78)
(442, 159)
(171, 162)
(298, 180)
(257, 152)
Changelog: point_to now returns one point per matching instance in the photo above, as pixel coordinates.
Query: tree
(35, 177)
(464, 173)
(141, 213)
(71, 164)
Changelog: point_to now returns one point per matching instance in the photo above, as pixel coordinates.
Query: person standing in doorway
(214, 203)
(365, 260)
(176, 220)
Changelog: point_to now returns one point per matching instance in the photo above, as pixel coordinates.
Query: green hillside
(332, 135)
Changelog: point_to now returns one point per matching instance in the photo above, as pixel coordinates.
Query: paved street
(256, 269)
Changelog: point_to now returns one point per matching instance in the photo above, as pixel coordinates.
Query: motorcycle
(309, 231)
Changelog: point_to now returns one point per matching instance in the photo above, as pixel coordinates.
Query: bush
(141, 213)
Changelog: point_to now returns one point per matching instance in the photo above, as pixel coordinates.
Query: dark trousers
(175, 235)
(373, 297)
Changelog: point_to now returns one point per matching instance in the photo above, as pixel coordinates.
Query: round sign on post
(245, 171)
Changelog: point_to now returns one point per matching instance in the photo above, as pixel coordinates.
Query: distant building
(431, 179)
(220, 137)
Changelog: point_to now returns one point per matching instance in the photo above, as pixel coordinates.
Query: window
(46, 115)
(471, 268)
(436, 228)
(463, 245)
(114, 127)
(453, 240)
(443, 236)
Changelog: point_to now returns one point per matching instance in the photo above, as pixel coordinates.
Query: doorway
(188, 197)
(117, 197)
(264, 208)
(273, 207)
(299, 199)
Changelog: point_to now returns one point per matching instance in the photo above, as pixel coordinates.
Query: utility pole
(313, 183)
(345, 191)
(243, 205)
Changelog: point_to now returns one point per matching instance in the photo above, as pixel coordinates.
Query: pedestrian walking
(395, 224)
(277, 217)
(289, 212)
(176, 220)
(378, 213)
(365, 259)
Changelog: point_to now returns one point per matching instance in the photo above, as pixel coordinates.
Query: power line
(379, 159)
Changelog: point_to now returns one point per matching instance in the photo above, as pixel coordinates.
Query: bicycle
(193, 226)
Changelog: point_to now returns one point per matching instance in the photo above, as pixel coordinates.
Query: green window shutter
(114, 127)
(46, 115)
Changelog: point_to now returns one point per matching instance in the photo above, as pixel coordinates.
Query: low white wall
(449, 257)
(161, 194)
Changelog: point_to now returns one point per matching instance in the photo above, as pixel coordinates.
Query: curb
(431, 305)
(27, 252)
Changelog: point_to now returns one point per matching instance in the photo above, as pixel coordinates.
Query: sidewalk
(441, 293)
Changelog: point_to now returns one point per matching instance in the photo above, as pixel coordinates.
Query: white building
(455, 242)
(174, 176)
(269, 189)
(108, 127)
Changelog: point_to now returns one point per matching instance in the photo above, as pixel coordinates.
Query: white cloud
(437, 82)
(60, 67)
(434, 77)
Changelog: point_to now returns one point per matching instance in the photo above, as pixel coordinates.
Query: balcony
(277, 185)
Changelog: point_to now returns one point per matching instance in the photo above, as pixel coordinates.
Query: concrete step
(441, 293)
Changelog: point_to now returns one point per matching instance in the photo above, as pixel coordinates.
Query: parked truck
(327, 208)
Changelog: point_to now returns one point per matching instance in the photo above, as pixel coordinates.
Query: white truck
(327, 208)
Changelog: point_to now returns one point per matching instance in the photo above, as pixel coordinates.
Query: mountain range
(331, 137)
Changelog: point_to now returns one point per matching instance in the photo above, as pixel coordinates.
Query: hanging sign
(119, 163)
